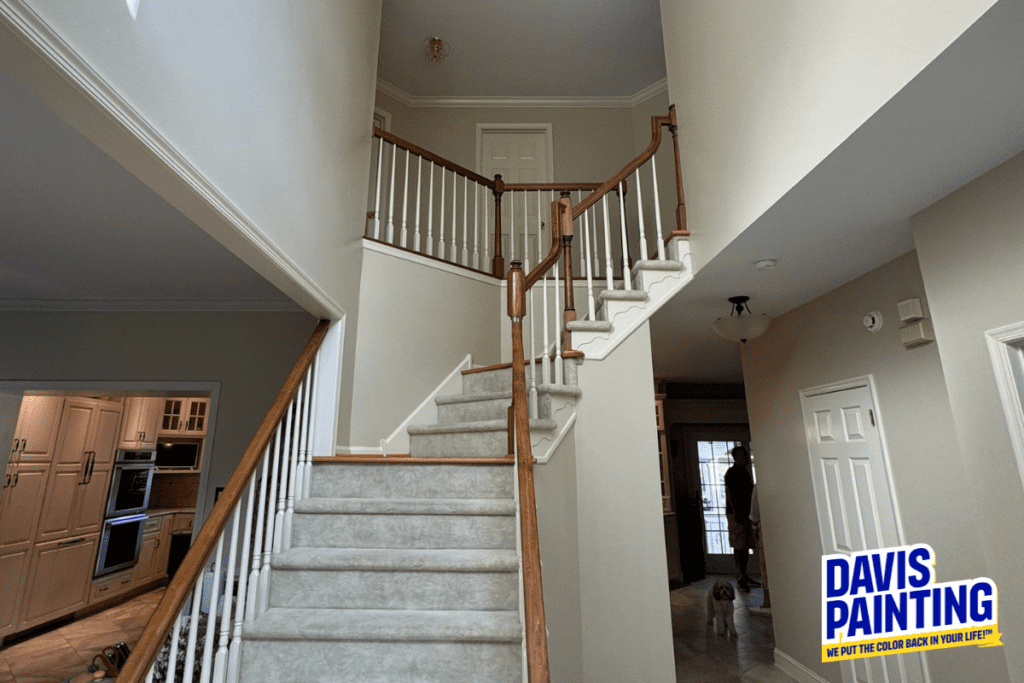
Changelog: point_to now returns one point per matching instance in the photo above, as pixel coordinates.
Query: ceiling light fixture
(741, 324)
(436, 49)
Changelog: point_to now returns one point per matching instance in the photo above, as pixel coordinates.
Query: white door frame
(545, 128)
(1004, 346)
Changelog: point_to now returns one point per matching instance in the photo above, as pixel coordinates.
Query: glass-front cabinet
(185, 416)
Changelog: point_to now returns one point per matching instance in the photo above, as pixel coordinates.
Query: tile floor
(702, 655)
(56, 655)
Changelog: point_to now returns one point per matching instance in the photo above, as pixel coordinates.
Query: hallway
(703, 656)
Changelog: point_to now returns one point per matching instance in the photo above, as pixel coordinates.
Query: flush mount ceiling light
(741, 324)
(436, 49)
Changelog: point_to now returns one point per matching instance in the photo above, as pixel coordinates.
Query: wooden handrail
(557, 187)
(430, 156)
(152, 638)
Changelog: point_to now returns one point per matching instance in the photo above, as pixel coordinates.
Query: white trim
(426, 412)
(624, 101)
(59, 55)
(329, 369)
(413, 257)
(795, 670)
(385, 117)
(151, 305)
(545, 128)
(544, 457)
(1001, 346)
(357, 450)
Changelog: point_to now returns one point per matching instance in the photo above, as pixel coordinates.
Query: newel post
(681, 229)
(498, 262)
(570, 306)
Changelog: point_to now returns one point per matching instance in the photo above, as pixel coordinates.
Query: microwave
(178, 454)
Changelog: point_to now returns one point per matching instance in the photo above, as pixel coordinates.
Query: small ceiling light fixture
(741, 324)
(436, 49)
(765, 264)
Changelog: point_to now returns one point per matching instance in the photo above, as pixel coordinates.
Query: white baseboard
(795, 670)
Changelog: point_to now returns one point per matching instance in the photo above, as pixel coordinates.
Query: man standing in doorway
(739, 485)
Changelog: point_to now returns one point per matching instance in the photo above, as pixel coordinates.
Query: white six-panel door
(854, 497)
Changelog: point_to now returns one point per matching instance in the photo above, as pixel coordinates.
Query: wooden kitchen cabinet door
(36, 431)
(141, 422)
(12, 574)
(20, 504)
(59, 579)
(144, 570)
(106, 423)
(90, 504)
(73, 435)
(57, 518)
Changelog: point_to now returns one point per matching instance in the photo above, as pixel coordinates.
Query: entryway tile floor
(64, 652)
(702, 655)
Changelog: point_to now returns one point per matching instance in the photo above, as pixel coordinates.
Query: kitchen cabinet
(20, 502)
(76, 492)
(36, 430)
(109, 586)
(141, 422)
(182, 523)
(59, 578)
(12, 575)
(156, 542)
(184, 416)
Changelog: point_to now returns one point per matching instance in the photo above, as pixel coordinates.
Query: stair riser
(473, 411)
(492, 380)
(351, 480)
(394, 590)
(459, 445)
(403, 531)
(303, 661)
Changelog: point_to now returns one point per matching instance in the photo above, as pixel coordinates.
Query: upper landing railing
(423, 203)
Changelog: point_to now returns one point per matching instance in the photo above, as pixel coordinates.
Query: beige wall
(249, 354)
(825, 341)
(416, 324)
(766, 90)
(970, 247)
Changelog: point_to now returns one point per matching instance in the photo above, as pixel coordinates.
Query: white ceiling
(532, 48)
(82, 233)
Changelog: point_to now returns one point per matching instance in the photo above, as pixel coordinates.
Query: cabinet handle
(105, 588)
(7, 481)
(74, 541)
(157, 544)
(16, 443)
(16, 475)
(24, 442)
(92, 466)
(125, 581)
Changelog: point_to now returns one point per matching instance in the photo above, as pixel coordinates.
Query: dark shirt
(738, 488)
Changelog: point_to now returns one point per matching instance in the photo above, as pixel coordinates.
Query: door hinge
(871, 414)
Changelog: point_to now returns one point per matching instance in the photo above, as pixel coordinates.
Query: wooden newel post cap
(516, 290)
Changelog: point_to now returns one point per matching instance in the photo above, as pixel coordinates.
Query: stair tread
(396, 559)
(624, 295)
(653, 264)
(482, 426)
(280, 623)
(589, 326)
(478, 396)
(406, 506)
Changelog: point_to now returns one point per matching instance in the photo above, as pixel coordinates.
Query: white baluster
(149, 676)
(282, 489)
(511, 226)
(303, 403)
(220, 662)
(193, 630)
(607, 244)
(657, 209)
(430, 213)
(235, 652)
(487, 234)
(465, 220)
(532, 402)
(559, 320)
(211, 616)
(455, 225)
(419, 188)
(440, 228)
(263, 588)
(589, 261)
(307, 480)
(583, 255)
(172, 656)
(476, 225)
(595, 255)
(545, 363)
(391, 197)
(404, 237)
(627, 280)
(640, 216)
(376, 204)
(252, 602)
(293, 458)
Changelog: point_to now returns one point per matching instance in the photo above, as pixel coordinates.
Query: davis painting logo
(883, 602)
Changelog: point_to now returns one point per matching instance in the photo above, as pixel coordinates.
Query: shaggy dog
(720, 597)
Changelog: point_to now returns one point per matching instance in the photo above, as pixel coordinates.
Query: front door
(854, 496)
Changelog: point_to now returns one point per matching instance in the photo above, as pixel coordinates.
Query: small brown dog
(720, 597)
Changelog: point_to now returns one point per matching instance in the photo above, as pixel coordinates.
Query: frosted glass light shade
(740, 328)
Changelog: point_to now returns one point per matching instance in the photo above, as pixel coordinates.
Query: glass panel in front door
(714, 459)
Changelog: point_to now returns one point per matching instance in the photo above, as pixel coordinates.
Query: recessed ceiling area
(82, 233)
(528, 48)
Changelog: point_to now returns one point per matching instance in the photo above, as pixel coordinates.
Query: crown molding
(152, 305)
(512, 101)
(26, 24)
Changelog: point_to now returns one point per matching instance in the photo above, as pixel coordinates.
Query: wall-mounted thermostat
(873, 321)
